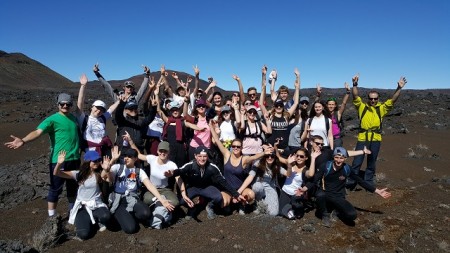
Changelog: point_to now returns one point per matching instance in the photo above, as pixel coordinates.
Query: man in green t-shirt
(62, 129)
(371, 115)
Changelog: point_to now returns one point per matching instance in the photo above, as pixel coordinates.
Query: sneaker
(241, 210)
(210, 214)
(290, 215)
(101, 227)
(326, 221)
(192, 213)
(334, 215)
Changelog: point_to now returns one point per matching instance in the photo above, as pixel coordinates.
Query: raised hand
(163, 69)
(189, 79)
(146, 69)
(61, 157)
(106, 162)
(264, 69)
(355, 79)
(83, 79)
(292, 158)
(319, 89)
(115, 153)
(315, 154)
(196, 70)
(152, 83)
(235, 77)
(347, 87)
(273, 74)
(401, 83)
(95, 68)
(296, 72)
(174, 75)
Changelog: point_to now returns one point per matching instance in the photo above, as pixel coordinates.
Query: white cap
(99, 103)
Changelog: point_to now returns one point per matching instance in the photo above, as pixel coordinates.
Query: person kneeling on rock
(331, 193)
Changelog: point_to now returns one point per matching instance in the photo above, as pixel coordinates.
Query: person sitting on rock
(89, 207)
(331, 193)
(203, 179)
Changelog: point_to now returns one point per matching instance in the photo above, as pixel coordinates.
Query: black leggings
(327, 202)
(294, 203)
(83, 223)
(127, 220)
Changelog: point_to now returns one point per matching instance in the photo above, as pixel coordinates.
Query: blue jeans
(374, 147)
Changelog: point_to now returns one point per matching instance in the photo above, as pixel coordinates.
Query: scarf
(178, 128)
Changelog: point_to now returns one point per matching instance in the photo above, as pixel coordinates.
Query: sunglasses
(373, 99)
(201, 106)
(270, 156)
(301, 156)
(252, 94)
(304, 103)
(278, 106)
(248, 103)
(252, 112)
(65, 104)
(163, 151)
(319, 143)
(236, 146)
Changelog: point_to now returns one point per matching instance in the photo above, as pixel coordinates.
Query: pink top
(252, 146)
(335, 127)
(201, 137)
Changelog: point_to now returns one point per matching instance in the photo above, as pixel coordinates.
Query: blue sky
(329, 41)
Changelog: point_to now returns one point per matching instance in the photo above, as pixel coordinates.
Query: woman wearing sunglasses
(336, 116)
(280, 117)
(236, 168)
(88, 208)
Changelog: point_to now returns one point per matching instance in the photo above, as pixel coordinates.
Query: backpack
(252, 135)
(329, 167)
(106, 191)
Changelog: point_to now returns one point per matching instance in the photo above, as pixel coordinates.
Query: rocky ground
(413, 164)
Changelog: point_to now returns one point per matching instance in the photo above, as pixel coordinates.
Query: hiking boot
(326, 221)
(210, 214)
(334, 215)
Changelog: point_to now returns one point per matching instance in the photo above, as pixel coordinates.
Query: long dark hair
(85, 173)
(274, 167)
(308, 155)
(325, 112)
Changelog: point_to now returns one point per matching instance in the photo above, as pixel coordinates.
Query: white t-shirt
(319, 127)
(226, 131)
(178, 99)
(157, 171)
(292, 183)
(155, 128)
(126, 182)
(95, 128)
(89, 190)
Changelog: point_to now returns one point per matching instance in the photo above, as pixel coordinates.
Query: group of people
(184, 146)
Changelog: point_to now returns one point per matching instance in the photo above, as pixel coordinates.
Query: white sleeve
(142, 175)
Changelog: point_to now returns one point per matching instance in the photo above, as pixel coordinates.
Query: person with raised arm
(93, 125)
(336, 113)
(128, 86)
(371, 116)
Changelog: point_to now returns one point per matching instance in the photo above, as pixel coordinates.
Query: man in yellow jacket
(371, 116)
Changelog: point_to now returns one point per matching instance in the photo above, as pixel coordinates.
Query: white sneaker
(290, 215)
(101, 227)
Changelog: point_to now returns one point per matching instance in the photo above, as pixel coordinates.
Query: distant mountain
(17, 71)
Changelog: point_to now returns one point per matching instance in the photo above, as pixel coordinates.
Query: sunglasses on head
(62, 104)
(235, 95)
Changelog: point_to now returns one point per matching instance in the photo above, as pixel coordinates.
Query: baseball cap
(91, 156)
(225, 108)
(201, 150)
(131, 105)
(251, 107)
(278, 102)
(99, 103)
(128, 83)
(64, 97)
(304, 99)
(200, 102)
(130, 153)
(340, 151)
(174, 105)
(164, 145)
